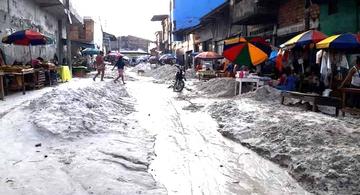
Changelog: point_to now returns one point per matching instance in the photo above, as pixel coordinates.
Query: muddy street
(139, 138)
(192, 157)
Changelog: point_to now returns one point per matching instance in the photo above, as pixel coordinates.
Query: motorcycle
(179, 79)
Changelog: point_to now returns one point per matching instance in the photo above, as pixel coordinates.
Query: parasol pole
(30, 54)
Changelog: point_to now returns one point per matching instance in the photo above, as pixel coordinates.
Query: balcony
(252, 12)
(57, 8)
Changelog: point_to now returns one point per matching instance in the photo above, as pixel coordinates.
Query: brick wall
(291, 12)
(83, 33)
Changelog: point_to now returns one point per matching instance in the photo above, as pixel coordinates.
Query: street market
(217, 97)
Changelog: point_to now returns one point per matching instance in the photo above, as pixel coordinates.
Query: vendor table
(313, 98)
(246, 80)
(2, 86)
(22, 73)
(206, 74)
(345, 109)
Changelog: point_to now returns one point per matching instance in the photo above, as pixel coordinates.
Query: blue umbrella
(167, 57)
(90, 51)
(273, 55)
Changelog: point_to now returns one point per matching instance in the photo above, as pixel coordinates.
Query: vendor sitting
(198, 67)
(354, 77)
(288, 81)
(230, 70)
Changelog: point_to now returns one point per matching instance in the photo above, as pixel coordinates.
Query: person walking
(100, 66)
(120, 64)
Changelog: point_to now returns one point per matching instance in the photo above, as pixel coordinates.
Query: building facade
(132, 43)
(163, 37)
(46, 16)
(187, 13)
(339, 16)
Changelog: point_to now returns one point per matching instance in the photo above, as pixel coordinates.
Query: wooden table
(22, 74)
(313, 98)
(2, 94)
(246, 80)
(345, 109)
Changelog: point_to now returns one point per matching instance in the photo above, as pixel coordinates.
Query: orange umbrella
(242, 51)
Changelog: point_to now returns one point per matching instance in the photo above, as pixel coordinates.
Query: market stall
(37, 73)
(247, 53)
(18, 74)
(209, 67)
(336, 68)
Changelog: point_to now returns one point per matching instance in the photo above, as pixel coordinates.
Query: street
(142, 138)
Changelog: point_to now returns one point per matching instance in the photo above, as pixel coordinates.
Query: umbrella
(194, 54)
(167, 57)
(345, 41)
(306, 38)
(251, 51)
(210, 55)
(115, 54)
(90, 51)
(27, 38)
(126, 58)
(153, 59)
(273, 55)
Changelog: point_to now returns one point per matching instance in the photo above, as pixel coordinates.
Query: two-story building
(163, 37)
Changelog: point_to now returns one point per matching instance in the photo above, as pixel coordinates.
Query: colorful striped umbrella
(306, 38)
(345, 41)
(251, 51)
(27, 38)
(208, 55)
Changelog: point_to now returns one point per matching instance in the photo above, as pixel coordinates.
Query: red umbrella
(27, 38)
(209, 55)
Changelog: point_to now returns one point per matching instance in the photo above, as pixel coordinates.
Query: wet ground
(192, 157)
(165, 143)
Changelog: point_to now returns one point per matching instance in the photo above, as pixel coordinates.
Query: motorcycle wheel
(179, 86)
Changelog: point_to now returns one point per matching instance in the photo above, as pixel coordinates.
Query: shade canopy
(305, 38)
(247, 51)
(347, 42)
(209, 55)
(27, 38)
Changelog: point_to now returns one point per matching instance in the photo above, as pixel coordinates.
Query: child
(120, 64)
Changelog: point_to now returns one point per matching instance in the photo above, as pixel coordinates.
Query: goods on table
(15, 68)
(48, 66)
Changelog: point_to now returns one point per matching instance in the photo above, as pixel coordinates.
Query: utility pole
(68, 41)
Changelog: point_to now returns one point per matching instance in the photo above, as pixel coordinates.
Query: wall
(291, 19)
(187, 13)
(132, 43)
(25, 14)
(291, 12)
(344, 21)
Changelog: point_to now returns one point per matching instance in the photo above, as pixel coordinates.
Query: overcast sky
(125, 17)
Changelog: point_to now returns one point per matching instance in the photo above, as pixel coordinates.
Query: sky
(125, 17)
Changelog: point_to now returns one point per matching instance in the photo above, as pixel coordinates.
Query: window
(237, 1)
(333, 6)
